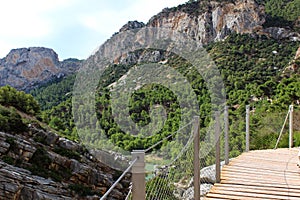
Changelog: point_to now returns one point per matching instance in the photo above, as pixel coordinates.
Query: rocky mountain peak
(208, 21)
(25, 68)
(132, 25)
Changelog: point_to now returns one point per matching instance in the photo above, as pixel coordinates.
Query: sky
(72, 28)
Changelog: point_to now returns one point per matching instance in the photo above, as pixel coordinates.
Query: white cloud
(110, 20)
(27, 19)
(48, 22)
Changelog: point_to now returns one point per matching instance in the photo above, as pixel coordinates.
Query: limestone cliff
(27, 68)
(208, 21)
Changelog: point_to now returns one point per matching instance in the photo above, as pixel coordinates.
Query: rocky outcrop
(27, 68)
(202, 21)
(18, 183)
(208, 21)
(41, 165)
(132, 25)
(282, 33)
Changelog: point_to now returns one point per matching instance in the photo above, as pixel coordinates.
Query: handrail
(281, 131)
(119, 179)
(167, 137)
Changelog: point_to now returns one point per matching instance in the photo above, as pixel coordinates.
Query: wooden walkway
(264, 174)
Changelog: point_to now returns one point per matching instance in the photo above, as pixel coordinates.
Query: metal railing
(137, 166)
(119, 179)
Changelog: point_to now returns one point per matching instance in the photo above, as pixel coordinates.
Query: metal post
(217, 139)
(138, 175)
(226, 135)
(291, 137)
(196, 130)
(247, 128)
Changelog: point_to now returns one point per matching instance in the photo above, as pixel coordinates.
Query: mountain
(254, 44)
(27, 68)
(204, 21)
(240, 36)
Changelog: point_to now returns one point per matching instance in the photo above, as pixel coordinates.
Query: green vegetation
(281, 13)
(11, 121)
(40, 165)
(253, 74)
(81, 189)
(9, 160)
(67, 153)
(9, 96)
(54, 92)
(12, 101)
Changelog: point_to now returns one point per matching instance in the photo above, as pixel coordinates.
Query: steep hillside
(37, 163)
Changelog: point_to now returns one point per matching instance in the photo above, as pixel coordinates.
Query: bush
(11, 121)
(8, 159)
(67, 153)
(81, 189)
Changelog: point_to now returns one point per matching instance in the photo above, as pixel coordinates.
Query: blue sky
(73, 28)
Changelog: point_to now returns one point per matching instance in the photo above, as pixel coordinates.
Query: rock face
(41, 165)
(26, 68)
(211, 21)
(132, 25)
(202, 21)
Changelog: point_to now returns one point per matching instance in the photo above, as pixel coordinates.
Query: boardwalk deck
(264, 174)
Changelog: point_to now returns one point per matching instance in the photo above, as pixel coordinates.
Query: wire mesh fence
(270, 129)
(173, 178)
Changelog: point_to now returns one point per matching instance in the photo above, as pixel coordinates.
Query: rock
(207, 180)
(17, 183)
(57, 171)
(282, 33)
(68, 144)
(51, 138)
(189, 193)
(26, 68)
(132, 25)
(203, 22)
(211, 21)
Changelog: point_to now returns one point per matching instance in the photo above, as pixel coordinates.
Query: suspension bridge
(257, 174)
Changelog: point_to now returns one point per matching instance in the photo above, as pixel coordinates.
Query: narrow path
(261, 174)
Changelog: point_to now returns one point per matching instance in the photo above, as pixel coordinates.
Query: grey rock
(68, 144)
(132, 25)
(189, 193)
(282, 33)
(19, 183)
(26, 68)
(214, 23)
(51, 138)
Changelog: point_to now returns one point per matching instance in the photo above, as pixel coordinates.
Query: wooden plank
(266, 174)
(226, 196)
(264, 180)
(296, 170)
(255, 182)
(261, 174)
(256, 195)
(263, 171)
(268, 188)
(257, 190)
